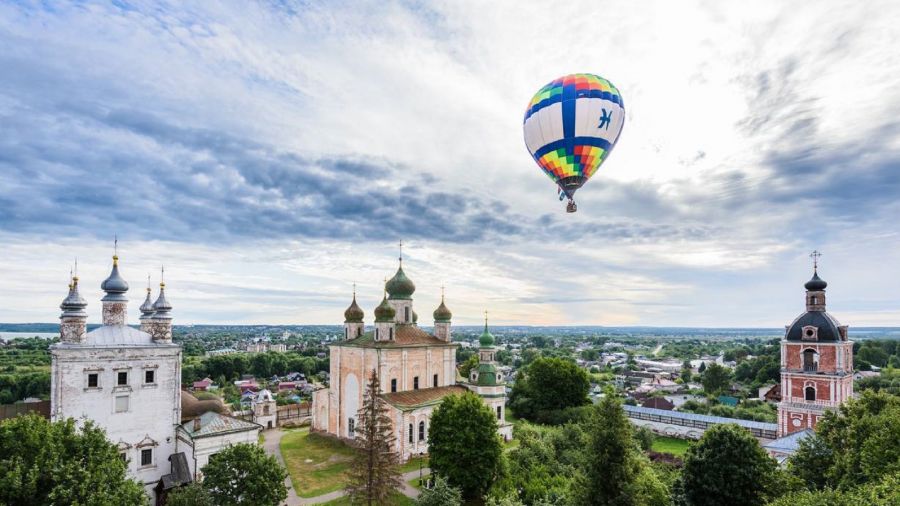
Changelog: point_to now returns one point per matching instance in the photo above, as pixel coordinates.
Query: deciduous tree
(728, 466)
(43, 462)
(548, 385)
(715, 379)
(463, 444)
(243, 475)
(441, 494)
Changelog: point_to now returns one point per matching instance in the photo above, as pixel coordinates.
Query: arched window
(499, 413)
(815, 300)
(810, 393)
(410, 433)
(346, 333)
(351, 426)
(810, 360)
(422, 431)
(394, 389)
(358, 331)
(406, 314)
(435, 381)
(391, 333)
(416, 383)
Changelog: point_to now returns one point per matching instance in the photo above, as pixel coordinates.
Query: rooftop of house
(215, 424)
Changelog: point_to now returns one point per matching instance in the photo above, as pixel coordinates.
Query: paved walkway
(272, 445)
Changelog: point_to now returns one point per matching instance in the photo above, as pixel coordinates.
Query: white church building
(128, 381)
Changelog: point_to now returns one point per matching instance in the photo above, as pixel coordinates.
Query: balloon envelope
(571, 125)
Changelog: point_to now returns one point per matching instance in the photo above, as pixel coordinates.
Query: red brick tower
(816, 362)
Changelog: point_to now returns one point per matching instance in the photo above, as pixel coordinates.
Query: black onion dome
(354, 313)
(827, 328)
(816, 284)
(400, 286)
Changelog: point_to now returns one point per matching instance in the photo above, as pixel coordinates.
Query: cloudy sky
(271, 154)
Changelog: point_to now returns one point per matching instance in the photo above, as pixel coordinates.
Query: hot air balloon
(571, 125)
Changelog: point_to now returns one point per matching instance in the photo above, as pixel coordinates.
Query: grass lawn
(674, 446)
(317, 464)
(399, 500)
(414, 483)
(413, 464)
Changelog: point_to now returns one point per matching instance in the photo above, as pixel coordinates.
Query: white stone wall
(154, 410)
(199, 451)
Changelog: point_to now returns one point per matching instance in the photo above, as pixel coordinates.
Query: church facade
(816, 363)
(416, 370)
(128, 381)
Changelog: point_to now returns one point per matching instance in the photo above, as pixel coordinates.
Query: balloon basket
(571, 207)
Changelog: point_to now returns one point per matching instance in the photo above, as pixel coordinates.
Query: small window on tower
(499, 413)
(391, 333)
(149, 376)
(394, 385)
(416, 383)
(435, 381)
(406, 314)
(810, 393)
(122, 378)
(93, 380)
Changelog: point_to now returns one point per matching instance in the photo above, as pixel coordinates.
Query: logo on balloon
(605, 119)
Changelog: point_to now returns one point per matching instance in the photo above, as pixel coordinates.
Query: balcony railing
(810, 367)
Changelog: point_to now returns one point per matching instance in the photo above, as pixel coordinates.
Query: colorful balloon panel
(572, 124)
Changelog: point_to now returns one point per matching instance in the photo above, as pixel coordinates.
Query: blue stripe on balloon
(569, 143)
(568, 118)
(605, 95)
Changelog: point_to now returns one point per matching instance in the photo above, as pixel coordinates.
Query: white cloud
(736, 112)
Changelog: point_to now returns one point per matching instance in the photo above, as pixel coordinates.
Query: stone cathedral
(416, 369)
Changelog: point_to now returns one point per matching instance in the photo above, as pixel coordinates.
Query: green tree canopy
(190, 495)
(463, 444)
(859, 444)
(243, 475)
(716, 378)
(728, 466)
(441, 494)
(615, 472)
(548, 385)
(58, 463)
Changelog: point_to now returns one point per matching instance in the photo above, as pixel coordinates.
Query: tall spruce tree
(374, 472)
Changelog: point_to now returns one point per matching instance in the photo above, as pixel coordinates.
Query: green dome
(486, 340)
(385, 312)
(354, 313)
(487, 375)
(400, 286)
(442, 313)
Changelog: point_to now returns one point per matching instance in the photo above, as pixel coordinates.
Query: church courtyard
(319, 464)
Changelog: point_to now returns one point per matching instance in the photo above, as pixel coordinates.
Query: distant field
(671, 445)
